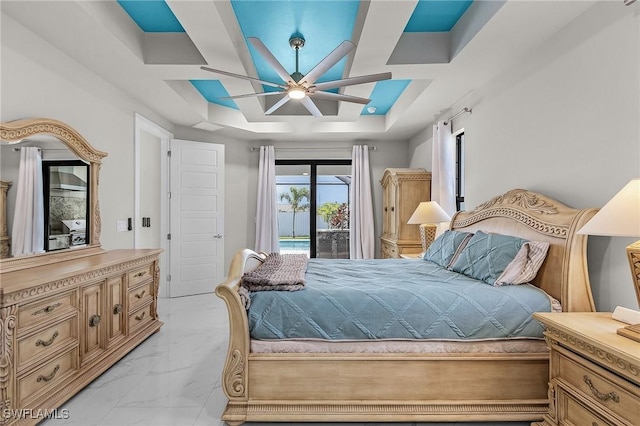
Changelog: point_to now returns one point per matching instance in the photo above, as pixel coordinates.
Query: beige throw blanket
(278, 272)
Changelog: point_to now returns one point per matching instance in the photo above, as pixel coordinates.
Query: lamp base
(630, 332)
(427, 235)
(633, 252)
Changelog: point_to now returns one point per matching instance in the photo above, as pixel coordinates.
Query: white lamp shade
(428, 212)
(620, 217)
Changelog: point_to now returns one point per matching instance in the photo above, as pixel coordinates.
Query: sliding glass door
(313, 207)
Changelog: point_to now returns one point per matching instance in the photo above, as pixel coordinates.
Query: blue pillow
(500, 259)
(443, 249)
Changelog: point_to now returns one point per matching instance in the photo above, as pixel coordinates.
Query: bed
(407, 380)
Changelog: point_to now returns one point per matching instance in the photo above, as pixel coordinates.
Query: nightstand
(412, 256)
(594, 373)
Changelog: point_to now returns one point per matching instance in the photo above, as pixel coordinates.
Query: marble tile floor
(173, 378)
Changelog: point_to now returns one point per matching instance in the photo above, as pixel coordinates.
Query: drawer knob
(41, 342)
(47, 309)
(42, 378)
(94, 320)
(140, 274)
(140, 295)
(141, 316)
(601, 396)
(117, 308)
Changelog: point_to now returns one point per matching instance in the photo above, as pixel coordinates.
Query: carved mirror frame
(15, 131)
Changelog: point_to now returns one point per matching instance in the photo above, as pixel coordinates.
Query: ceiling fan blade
(268, 56)
(248, 95)
(339, 97)
(310, 106)
(330, 60)
(277, 105)
(244, 77)
(351, 81)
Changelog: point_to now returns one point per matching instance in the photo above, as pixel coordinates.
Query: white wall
(565, 122)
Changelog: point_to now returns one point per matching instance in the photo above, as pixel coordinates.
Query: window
(460, 171)
(313, 207)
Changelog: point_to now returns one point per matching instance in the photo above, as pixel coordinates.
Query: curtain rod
(462, 111)
(316, 148)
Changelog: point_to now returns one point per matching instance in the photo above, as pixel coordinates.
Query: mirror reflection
(64, 202)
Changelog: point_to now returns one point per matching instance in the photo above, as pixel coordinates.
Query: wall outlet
(121, 225)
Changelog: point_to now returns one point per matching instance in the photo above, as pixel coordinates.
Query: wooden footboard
(390, 387)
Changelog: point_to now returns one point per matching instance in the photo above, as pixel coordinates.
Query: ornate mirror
(71, 176)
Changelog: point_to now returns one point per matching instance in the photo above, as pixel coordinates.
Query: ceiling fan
(304, 87)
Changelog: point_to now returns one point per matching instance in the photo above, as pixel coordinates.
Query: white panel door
(197, 217)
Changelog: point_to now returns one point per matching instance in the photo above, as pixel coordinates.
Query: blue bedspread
(395, 299)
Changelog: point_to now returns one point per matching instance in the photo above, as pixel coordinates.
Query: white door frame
(143, 124)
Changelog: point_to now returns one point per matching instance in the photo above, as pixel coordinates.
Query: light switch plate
(121, 225)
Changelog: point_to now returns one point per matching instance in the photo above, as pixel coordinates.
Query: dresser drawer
(46, 309)
(41, 344)
(600, 387)
(139, 275)
(140, 295)
(140, 318)
(47, 377)
(572, 412)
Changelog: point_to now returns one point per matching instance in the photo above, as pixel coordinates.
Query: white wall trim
(143, 124)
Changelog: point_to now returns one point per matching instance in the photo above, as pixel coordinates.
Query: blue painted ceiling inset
(436, 15)
(212, 91)
(323, 25)
(384, 95)
(152, 16)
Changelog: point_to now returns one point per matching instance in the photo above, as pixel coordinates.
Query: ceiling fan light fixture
(296, 93)
(371, 109)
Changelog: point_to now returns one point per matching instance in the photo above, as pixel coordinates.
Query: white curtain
(27, 234)
(361, 240)
(267, 235)
(443, 176)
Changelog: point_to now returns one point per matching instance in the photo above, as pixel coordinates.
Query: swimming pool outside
(295, 246)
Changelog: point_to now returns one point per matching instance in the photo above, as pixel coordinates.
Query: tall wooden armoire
(403, 190)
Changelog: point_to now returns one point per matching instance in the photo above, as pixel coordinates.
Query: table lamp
(620, 217)
(428, 214)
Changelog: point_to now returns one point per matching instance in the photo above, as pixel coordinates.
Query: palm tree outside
(295, 198)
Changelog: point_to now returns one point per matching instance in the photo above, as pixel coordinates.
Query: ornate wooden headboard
(525, 214)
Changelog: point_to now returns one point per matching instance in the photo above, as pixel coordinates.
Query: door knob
(218, 236)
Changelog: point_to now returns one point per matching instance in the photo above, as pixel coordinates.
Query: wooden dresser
(594, 374)
(402, 191)
(63, 324)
